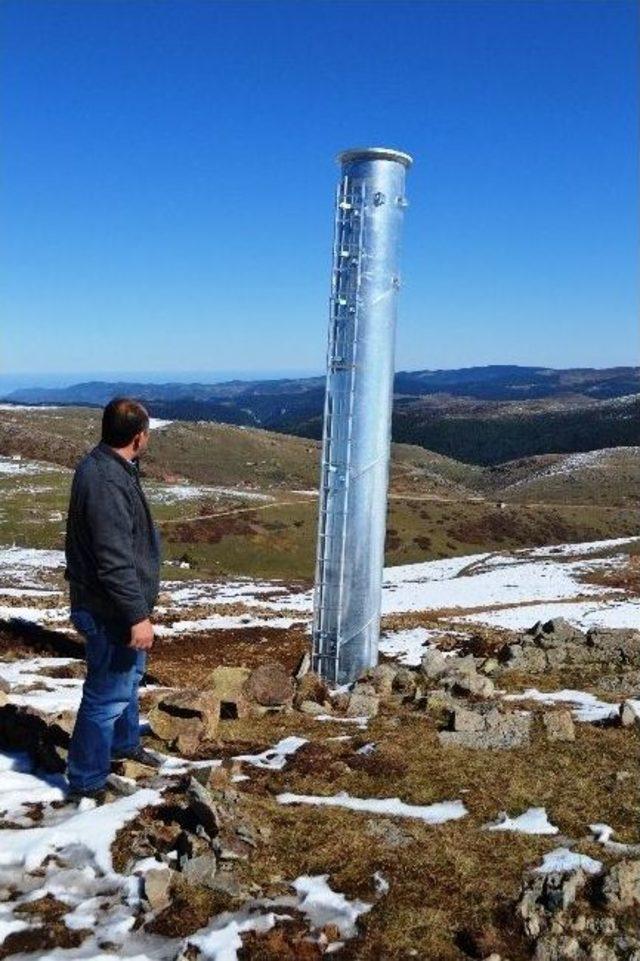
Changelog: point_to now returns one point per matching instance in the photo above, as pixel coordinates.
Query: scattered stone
(623, 776)
(388, 832)
(313, 708)
(228, 684)
(623, 643)
(340, 702)
(304, 667)
(311, 687)
(203, 807)
(434, 663)
(485, 729)
(438, 701)
(630, 714)
(621, 886)
(133, 769)
(382, 678)
(45, 737)
(621, 683)
(226, 882)
(270, 686)
(490, 666)
(157, 888)
(363, 701)
(461, 675)
(201, 870)
(545, 895)
(559, 726)
(530, 660)
(404, 683)
(186, 719)
(120, 786)
(470, 682)
(558, 630)
(557, 642)
(466, 720)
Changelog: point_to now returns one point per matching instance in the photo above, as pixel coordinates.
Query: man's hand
(142, 635)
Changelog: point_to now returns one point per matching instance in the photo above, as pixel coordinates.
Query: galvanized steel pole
(357, 418)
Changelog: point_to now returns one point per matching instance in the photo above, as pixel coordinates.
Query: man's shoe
(76, 795)
(117, 786)
(140, 756)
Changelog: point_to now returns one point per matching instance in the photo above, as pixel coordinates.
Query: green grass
(436, 508)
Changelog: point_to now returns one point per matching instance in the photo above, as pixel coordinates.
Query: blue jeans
(107, 724)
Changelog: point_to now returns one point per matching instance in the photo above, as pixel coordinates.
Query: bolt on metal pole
(357, 416)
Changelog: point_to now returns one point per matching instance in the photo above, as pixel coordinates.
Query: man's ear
(136, 443)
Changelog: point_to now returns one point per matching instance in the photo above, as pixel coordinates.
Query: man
(113, 569)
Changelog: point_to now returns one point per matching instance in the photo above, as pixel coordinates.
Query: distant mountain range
(481, 415)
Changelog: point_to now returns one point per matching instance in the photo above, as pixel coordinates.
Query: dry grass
(453, 887)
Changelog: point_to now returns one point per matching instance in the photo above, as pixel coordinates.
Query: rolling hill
(481, 415)
(243, 500)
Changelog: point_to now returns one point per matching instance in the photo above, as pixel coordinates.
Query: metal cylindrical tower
(357, 417)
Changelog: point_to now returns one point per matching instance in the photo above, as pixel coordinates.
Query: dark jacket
(112, 546)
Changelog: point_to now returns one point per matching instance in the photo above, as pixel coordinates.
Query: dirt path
(235, 510)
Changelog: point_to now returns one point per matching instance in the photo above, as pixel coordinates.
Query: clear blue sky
(168, 176)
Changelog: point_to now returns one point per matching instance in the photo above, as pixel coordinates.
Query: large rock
(621, 886)
(485, 729)
(157, 887)
(559, 726)
(526, 658)
(363, 701)
(546, 895)
(622, 643)
(557, 643)
(186, 719)
(270, 686)
(456, 673)
(313, 709)
(404, 683)
(382, 677)
(228, 684)
(466, 720)
(311, 687)
(44, 736)
(630, 713)
(201, 870)
(434, 663)
(558, 631)
(462, 676)
(204, 807)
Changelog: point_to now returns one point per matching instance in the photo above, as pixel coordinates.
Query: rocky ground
(475, 796)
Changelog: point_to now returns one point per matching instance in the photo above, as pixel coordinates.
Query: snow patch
(607, 613)
(94, 830)
(532, 821)
(562, 859)
(324, 906)
(586, 707)
(408, 646)
(221, 622)
(391, 807)
(274, 758)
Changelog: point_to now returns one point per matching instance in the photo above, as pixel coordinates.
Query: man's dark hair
(122, 419)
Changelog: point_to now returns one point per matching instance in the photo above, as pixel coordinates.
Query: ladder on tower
(335, 475)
